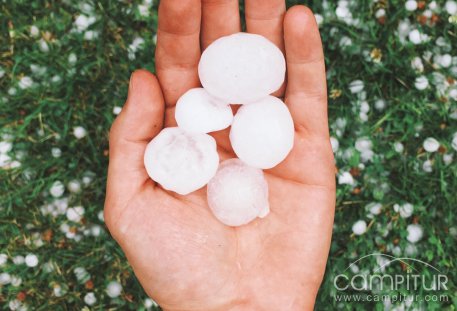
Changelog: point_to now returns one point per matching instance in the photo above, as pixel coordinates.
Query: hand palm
(183, 256)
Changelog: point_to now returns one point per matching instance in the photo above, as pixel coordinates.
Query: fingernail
(131, 82)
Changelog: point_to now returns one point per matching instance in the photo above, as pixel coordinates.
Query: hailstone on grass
(197, 111)
(181, 161)
(242, 68)
(238, 193)
(262, 133)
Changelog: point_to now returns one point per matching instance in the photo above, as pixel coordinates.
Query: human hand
(182, 255)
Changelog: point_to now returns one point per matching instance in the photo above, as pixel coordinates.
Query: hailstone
(262, 133)
(238, 193)
(197, 111)
(242, 68)
(181, 161)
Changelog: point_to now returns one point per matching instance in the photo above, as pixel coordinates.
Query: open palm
(185, 258)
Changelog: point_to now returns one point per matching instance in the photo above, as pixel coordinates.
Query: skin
(184, 258)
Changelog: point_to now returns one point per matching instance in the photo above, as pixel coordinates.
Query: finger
(141, 119)
(306, 94)
(219, 18)
(178, 47)
(265, 17)
(311, 159)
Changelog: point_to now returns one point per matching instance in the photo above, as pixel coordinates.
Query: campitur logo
(381, 284)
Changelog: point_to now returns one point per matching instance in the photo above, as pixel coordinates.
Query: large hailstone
(262, 133)
(242, 68)
(181, 161)
(199, 112)
(238, 193)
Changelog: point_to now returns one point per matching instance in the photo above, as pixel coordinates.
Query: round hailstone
(415, 233)
(451, 7)
(79, 132)
(31, 260)
(56, 152)
(359, 227)
(262, 133)
(356, 86)
(74, 186)
(399, 147)
(427, 166)
(380, 13)
(114, 289)
(117, 110)
(430, 144)
(238, 193)
(416, 37)
(57, 189)
(406, 210)
(374, 208)
(180, 161)
(5, 146)
(447, 158)
(242, 68)
(75, 213)
(411, 5)
(380, 104)
(445, 60)
(421, 83)
(90, 299)
(34, 31)
(199, 112)
(5, 278)
(417, 64)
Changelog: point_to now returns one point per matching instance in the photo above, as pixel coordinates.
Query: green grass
(42, 117)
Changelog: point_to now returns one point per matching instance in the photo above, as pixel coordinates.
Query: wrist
(280, 299)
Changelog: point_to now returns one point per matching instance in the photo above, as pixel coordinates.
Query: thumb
(140, 120)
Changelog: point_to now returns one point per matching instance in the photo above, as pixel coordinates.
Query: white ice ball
(34, 31)
(421, 83)
(451, 7)
(416, 37)
(199, 112)
(238, 193)
(445, 60)
(262, 133)
(411, 5)
(359, 227)
(31, 260)
(79, 132)
(74, 186)
(90, 299)
(57, 189)
(114, 289)
(180, 161)
(345, 178)
(5, 278)
(415, 233)
(242, 68)
(399, 147)
(75, 213)
(430, 144)
(356, 86)
(406, 210)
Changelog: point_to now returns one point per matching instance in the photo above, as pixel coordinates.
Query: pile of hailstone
(241, 69)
